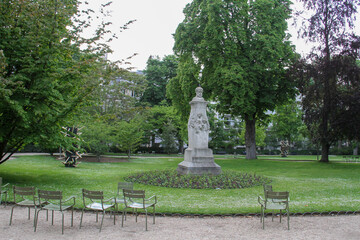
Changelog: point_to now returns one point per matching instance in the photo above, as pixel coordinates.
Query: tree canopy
(238, 51)
(158, 73)
(47, 69)
(329, 78)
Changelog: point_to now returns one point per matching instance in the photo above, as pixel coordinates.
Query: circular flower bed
(171, 178)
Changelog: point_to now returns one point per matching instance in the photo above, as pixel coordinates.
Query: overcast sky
(151, 33)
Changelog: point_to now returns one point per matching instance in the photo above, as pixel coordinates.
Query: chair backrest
(50, 195)
(53, 197)
(131, 195)
(277, 195)
(268, 188)
(124, 185)
(24, 192)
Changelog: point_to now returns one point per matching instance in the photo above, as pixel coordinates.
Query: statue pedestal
(199, 158)
(199, 161)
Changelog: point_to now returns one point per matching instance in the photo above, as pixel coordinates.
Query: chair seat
(54, 207)
(140, 205)
(275, 205)
(26, 202)
(98, 206)
(118, 200)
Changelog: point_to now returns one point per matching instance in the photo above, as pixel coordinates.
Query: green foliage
(287, 121)
(128, 135)
(329, 79)
(158, 72)
(226, 180)
(48, 70)
(238, 51)
(260, 134)
(96, 136)
(168, 137)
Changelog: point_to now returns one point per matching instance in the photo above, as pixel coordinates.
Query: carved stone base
(198, 161)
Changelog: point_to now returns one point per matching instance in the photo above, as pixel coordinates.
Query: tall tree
(330, 84)
(238, 51)
(287, 121)
(47, 68)
(158, 73)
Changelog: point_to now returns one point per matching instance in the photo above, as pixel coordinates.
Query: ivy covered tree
(329, 78)
(238, 51)
(48, 70)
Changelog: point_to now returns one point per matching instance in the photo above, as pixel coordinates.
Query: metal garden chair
(3, 191)
(135, 199)
(94, 200)
(24, 197)
(53, 201)
(275, 201)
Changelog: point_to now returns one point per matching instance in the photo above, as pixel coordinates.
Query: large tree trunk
(325, 152)
(356, 149)
(250, 138)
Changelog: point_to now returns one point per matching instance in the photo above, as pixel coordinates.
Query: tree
(97, 136)
(329, 84)
(157, 119)
(158, 72)
(168, 137)
(128, 135)
(287, 121)
(238, 51)
(47, 69)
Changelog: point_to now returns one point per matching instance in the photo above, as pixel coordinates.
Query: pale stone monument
(199, 158)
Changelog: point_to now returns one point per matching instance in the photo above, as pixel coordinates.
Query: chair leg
(146, 219)
(102, 219)
(280, 215)
(82, 213)
(136, 214)
(72, 217)
(29, 213)
(52, 217)
(36, 219)
(154, 215)
(122, 218)
(62, 226)
(12, 209)
(263, 217)
(97, 216)
(288, 220)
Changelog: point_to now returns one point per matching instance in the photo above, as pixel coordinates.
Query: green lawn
(313, 186)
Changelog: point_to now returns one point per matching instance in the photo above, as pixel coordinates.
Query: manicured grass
(313, 186)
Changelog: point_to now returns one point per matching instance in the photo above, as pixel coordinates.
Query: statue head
(199, 92)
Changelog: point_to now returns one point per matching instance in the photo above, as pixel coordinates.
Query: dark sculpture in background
(284, 148)
(71, 156)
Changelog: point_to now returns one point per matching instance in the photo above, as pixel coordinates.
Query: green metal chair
(275, 201)
(3, 191)
(267, 187)
(121, 186)
(135, 199)
(94, 200)
(24, 197)
(53, 201)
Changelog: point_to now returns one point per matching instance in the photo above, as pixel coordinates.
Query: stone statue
(284, 147)
(198, 159)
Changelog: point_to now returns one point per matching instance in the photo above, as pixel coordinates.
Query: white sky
(151, 33)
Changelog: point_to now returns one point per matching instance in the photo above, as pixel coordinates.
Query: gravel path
(330, 227)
